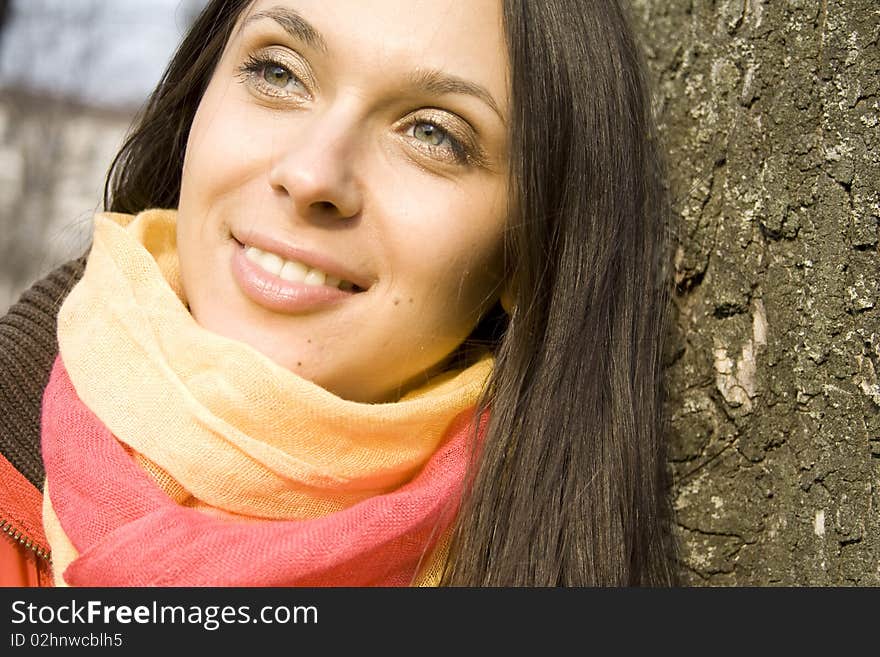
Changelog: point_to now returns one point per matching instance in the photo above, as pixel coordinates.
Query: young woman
(379, 300)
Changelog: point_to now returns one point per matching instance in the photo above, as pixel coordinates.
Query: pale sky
(100, 51)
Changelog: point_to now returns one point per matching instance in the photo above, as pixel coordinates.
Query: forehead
(460, 37)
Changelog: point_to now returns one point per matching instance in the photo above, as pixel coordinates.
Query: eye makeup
(461, 144)
(263, 69)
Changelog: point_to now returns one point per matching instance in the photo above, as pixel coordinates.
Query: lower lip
(275, 293)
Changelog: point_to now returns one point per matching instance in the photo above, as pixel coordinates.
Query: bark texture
(769, 112)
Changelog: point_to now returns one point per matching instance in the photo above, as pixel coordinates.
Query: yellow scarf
(228, 431)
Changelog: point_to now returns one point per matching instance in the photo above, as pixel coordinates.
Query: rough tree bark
(769, 112)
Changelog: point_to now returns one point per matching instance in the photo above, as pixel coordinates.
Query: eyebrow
(292, 23)
(427, 81)
(436, 82)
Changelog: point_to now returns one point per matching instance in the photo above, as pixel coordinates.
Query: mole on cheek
(397, 302)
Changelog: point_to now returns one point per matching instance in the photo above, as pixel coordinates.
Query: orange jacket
(23, 547)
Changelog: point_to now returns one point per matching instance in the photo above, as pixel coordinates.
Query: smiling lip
(309, 259)
(275, 293)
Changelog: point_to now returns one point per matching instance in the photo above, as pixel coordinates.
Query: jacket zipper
(21, 538)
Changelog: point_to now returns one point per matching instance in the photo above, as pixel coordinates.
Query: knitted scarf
(178, 457)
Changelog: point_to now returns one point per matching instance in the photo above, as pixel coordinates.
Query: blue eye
(277, 75)
(438, 141)
(430, 134)
(271, 77)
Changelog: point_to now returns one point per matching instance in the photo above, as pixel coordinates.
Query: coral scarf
(175, 456)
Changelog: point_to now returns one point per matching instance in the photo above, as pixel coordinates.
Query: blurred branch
(5, 12)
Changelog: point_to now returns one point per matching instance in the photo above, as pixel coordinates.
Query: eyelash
(460, 153)
(252, 71)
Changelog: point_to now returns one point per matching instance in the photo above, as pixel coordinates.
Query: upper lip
(308, 258)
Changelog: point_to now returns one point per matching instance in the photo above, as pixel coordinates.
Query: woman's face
(361, 148)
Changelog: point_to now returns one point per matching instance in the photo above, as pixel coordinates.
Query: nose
(315, 169)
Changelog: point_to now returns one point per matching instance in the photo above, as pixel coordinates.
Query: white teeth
(293, 271)
(315, 277)
(270, 262)
(251, 253)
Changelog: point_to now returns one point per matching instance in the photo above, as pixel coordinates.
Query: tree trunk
(769, 113)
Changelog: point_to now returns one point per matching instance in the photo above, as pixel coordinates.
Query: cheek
(226, 149)
(220, 172)
(451, 245)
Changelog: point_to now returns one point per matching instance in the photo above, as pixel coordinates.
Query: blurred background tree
(72, 75)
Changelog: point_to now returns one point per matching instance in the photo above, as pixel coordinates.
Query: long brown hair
(570, 486)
